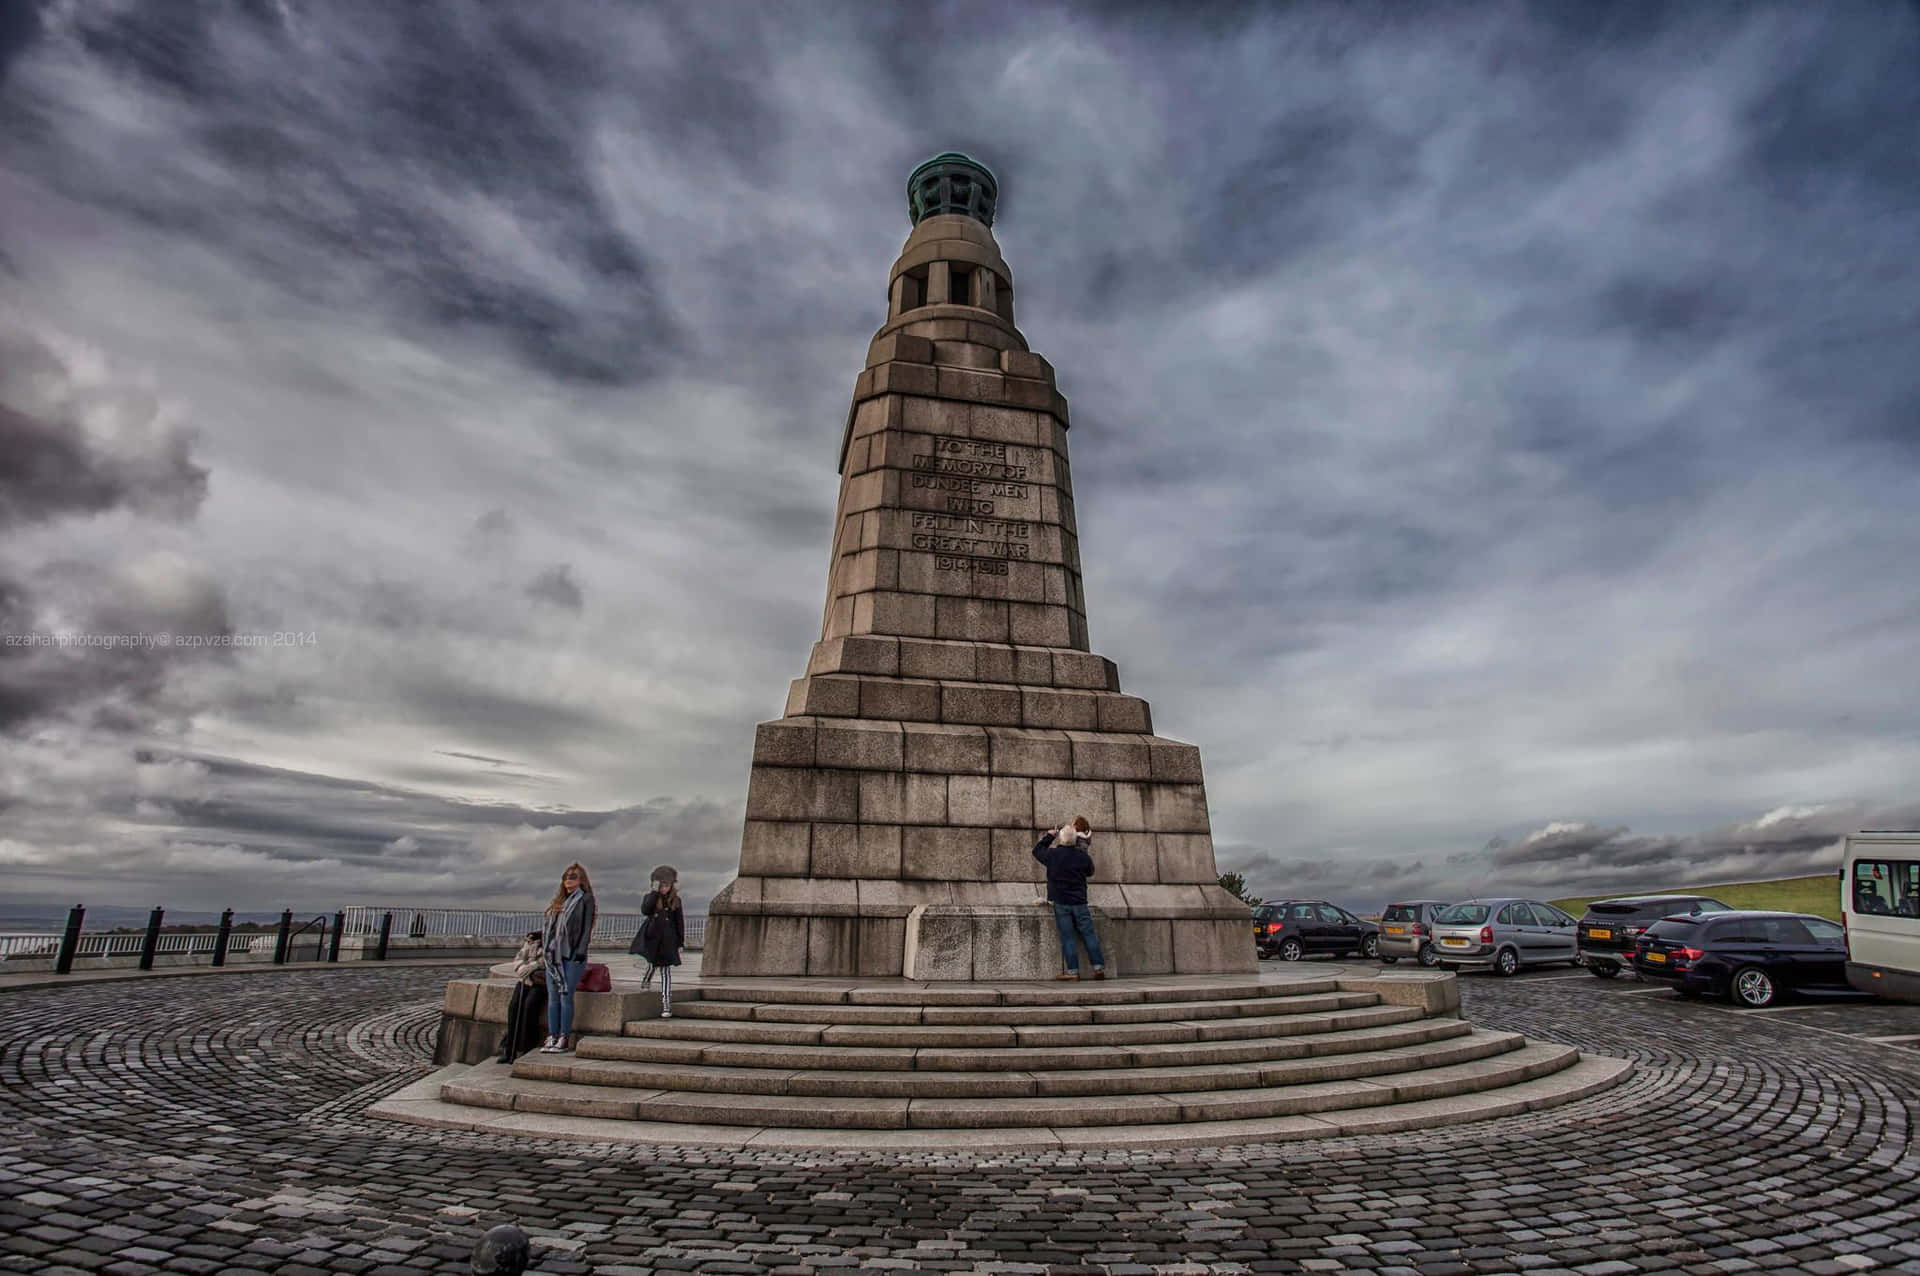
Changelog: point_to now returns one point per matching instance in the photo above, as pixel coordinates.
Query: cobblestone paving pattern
(213, 1126)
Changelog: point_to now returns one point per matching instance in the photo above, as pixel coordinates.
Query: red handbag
(597, 978)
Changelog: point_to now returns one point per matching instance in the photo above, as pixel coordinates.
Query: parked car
(1611, 926)
(1748, 956)
(1503, 935)
(1406, 930)
(1292, 928)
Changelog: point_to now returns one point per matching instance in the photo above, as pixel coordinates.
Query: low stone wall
(1435, 991)
(474, 1015)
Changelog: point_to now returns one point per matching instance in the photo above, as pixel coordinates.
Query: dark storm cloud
(67, 447)
(557, 586)
(75, 444)
(431, 169)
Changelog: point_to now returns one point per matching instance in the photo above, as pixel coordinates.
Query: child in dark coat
(663, 933)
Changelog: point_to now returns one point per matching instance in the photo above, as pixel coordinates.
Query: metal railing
(492, 928)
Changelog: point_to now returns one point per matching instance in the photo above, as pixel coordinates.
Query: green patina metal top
(952, 183)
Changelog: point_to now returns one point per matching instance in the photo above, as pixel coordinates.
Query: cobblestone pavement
(212, 1125)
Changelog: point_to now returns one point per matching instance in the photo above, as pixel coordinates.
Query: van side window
(1886, 888)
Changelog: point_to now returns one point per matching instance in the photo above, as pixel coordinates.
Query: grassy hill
(1819, 895)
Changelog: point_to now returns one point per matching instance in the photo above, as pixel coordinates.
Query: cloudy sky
(1495, 426)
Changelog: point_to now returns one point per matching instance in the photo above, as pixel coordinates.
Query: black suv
(1610, 928)
(1291, 928)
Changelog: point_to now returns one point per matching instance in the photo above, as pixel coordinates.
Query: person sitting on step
(1064, 852)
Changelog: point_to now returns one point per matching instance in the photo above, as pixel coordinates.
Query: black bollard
(320, 945)
(286, 932)
(70, 941)
(333, 945)
(220, 940)
(386, 933)
(151, 944)
(503, 1251)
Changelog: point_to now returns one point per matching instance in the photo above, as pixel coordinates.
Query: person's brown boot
(1099, 972)
(1068, 975)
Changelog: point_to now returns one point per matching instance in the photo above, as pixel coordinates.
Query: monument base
(964, 931)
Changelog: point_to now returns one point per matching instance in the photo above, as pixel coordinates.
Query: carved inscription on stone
(973, 476)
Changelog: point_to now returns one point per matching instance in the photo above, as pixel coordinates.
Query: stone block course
(861, 744)
(776, 848)
(1101, 756)
(948, 748)
(947, 854)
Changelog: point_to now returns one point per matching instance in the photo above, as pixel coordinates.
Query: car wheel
(1506, 962)
(1428, 957)
(1752, 987)
(1603, 969)
(1292, 950)
(1370, 947)
(1388, 961)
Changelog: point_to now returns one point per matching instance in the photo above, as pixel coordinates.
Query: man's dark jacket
(1068, 868)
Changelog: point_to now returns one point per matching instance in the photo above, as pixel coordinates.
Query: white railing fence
(174, 943)
(465, 923)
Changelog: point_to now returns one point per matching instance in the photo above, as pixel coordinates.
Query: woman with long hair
(570, 919)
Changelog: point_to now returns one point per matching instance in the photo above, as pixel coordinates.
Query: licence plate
(1453, 943)
(1599, 933)
(1396, 930)
(1659, 957)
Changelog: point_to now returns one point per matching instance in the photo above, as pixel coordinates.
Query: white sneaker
(666, 1014)
(550, 1045)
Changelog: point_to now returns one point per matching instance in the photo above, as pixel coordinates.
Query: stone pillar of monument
(951, 710)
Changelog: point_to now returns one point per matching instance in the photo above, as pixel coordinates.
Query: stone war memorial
(882, 971)
(952, 708)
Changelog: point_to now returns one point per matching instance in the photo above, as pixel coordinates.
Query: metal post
(386, 932)
(286, 932)
(220, 940)
(151, 944)
(70, 941)
(333, 945)
(320, 947)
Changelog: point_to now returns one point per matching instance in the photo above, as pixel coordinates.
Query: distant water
(31, 921)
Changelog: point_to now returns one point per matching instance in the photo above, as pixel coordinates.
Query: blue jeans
(1077, 917)
(560, 997)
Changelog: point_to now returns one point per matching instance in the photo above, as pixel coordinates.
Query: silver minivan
(1503, 935)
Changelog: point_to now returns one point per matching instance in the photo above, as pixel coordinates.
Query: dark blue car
(1750, 957)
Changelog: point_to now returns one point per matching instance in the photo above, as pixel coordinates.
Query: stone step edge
(1379, 1059)
(1128, 1012)
(718, 1032)
(1529, 1061)
(1118, 991)
(419, 1105)
(1346, 1038)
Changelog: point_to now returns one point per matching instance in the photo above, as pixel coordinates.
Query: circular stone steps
(1188, 1060)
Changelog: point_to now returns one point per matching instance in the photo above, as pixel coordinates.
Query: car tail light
(1486, 934)
(1273, 928)
(1689, 954)
(1418, 929)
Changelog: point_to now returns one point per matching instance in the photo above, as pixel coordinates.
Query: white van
(1880, 907)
